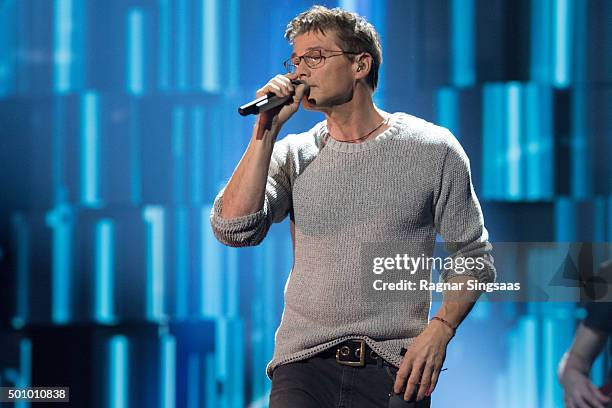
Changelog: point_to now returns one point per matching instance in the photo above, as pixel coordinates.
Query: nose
(302, 70)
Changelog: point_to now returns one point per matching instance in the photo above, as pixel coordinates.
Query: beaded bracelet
(446, 323)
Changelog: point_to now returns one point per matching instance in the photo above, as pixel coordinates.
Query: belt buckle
(362, 353)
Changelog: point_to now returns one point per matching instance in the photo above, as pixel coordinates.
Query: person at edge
(361, 175)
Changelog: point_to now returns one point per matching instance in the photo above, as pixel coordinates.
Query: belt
(354, 353)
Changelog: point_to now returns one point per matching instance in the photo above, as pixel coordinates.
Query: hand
(423, 361)
(281, 86)
(578, 390)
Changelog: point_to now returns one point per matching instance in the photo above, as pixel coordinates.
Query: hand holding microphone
(276, 102)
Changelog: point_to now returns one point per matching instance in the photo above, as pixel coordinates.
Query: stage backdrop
(118, 125)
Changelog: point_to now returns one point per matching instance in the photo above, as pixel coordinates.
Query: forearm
(457, 304)
(587, 344)
(244, 193)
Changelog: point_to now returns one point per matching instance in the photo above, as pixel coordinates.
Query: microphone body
(266, 102)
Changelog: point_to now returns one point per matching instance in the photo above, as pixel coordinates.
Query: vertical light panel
(494, 141)
(197, 187)
(211, 380)
(154, 218)
(58, 140)
(118, 372)
(514, 384)
(562, 43)
(541, 41)
(23, 40)
(558, 334)
(25, 369)
(7, 48)
(183, 28)
(538, 143)
(222, 367)
(22, 238)
(193, 381)
(448, 109)
(514, 143)
(528, 332)
(229, 346)
(89, 159)
(135, 52)
(182, 263)
(502, 392)
(167, 371)
(233, 43)
(103, 293)
(59, 220)
(211, 35)
(581, 150)
(165, 25)
(211, 272)
(178, 153)
(549, 363)
(63, 26)
(259, 333)
(232, 284)
(462, 42)
(135, 160)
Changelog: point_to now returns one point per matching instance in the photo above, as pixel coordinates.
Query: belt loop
(379, 362)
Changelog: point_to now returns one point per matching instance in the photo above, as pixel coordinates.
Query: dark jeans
(323, 383)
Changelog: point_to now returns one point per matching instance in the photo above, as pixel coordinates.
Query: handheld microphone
(267, 102)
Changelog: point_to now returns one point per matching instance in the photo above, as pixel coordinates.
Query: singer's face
(331, 84)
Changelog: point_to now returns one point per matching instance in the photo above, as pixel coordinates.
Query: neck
(354, 119)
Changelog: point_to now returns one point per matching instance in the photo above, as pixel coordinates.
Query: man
(362, 175)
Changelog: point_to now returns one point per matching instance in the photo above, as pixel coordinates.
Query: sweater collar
(347, 147)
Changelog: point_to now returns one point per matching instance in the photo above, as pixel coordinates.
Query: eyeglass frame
(288, 62)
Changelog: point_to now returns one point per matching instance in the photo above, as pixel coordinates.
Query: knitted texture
(407, 184)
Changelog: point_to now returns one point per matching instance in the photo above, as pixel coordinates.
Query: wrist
(448, 328)
(266, 130)
(576, 361)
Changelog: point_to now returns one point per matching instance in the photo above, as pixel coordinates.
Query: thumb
(300, 91)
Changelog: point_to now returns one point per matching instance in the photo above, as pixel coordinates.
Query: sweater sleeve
(251, 229)
(458, 217)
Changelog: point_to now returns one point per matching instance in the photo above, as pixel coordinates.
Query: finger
(279, 88)
(592, 400)
(414, 380)
(271, 87)
(401, 377)
(598, 394)
(285, 80)
(300, 91)
(584, 402)
(434, 380)
(285, 84)
(425, 381)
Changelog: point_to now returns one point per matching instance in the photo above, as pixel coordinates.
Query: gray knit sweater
(408, 183)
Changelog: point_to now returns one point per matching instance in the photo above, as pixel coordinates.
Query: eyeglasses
(313, 59)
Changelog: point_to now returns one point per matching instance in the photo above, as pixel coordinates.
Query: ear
(363, 64)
